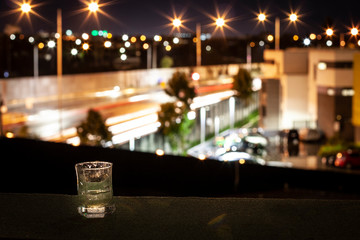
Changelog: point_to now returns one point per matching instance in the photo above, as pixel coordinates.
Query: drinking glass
(94, 185)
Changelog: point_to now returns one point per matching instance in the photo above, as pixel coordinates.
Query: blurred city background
(268, 88)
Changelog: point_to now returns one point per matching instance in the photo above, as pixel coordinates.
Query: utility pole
(198, 44)
(277, 33)
(59, 67)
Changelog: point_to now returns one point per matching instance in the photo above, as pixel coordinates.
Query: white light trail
(132, 124)
(135, 133)
(210, 99)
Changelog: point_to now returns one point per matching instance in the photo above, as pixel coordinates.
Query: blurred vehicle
(255, 145)
(310, 135)
(289, 137)
(328, 160)
(242, 141)
(289, 141)
(242, 157)
(347, 159)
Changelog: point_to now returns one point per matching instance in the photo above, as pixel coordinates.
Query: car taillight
(337, 162)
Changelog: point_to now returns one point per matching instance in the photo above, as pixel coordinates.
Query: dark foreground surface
(53, 216)
(171, 197)
(29, 166)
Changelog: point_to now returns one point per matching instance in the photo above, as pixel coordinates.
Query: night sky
(148, 16)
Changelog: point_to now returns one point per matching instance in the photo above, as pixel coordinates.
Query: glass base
(96, 212)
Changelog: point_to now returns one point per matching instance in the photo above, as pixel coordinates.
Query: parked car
(289, 141)
(328, 160)
(242, 157)
(310, 135)
(347, 159)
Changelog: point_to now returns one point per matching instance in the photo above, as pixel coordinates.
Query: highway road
(43, 117)
(54, 119)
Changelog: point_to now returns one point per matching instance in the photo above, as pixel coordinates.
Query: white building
(312, 87)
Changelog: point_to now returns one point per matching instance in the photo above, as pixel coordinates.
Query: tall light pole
(59, 66)
(198, 44)
(277, 33)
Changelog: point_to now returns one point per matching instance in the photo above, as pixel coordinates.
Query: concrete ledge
(30, 166)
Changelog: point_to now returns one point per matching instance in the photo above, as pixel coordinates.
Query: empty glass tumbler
(94, 185)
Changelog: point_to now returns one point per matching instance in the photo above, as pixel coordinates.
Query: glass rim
(108, 165)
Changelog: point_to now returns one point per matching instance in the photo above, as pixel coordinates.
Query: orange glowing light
(354, 31)
(10, 135)
(262, 17)
(293, 17)
(201, 157)
(270, 38)
(159, 152)
(177, 20)
(312, 36)
(220, 20)
(85, 46)
(41, 45)
(94, 7)
(142, 38)
(329, 32)
(25, 8)
(133, 39)
(146, 46)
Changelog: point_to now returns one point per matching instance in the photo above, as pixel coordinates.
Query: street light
(220, 22)
(85, 46)
(177, 22)
(354, 31)
(51, 44)
(261, 17)
(93, 7)
(293, 17)
(329, 32)
(25, 7)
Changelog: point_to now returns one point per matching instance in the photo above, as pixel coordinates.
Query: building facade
(315, 89)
